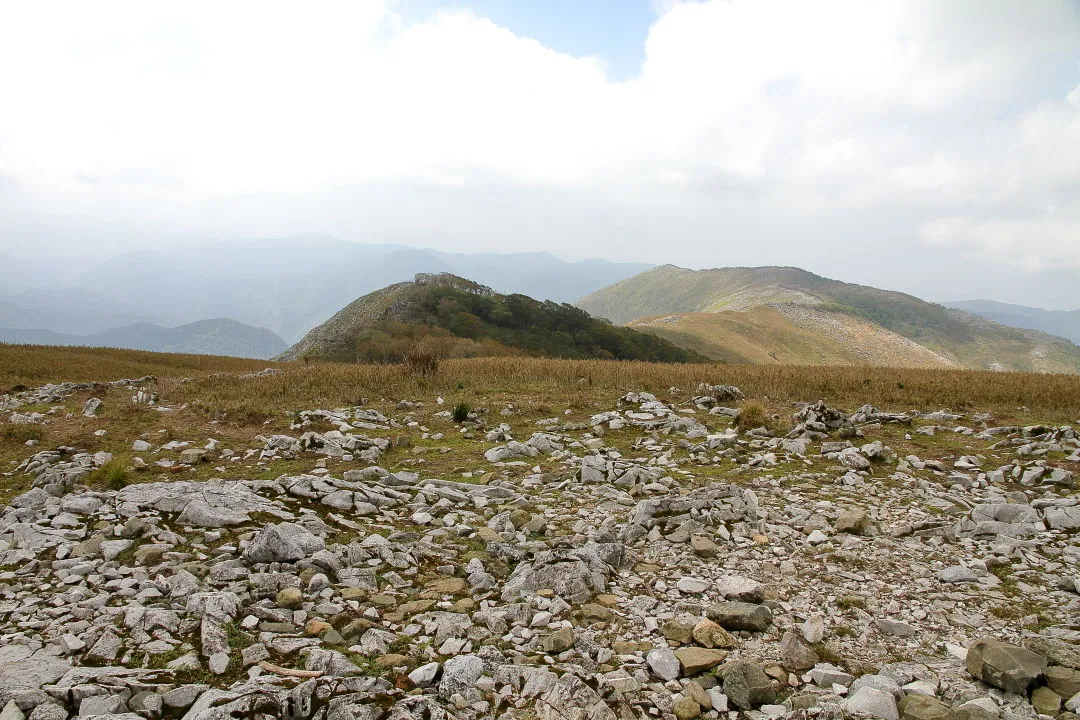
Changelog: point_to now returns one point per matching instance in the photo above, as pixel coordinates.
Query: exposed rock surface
(708, 569)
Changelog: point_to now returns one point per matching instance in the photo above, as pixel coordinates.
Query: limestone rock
(695, 660)
(746, 685)
(740, 616)
(1009, 667)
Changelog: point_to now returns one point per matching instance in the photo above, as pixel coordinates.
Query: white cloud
(748, 115)
(1035, 244)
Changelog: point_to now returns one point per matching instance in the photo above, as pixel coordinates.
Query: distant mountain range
(788, 315)
(291, 285)
(454, 317)
(1065, 323)
(205, 337)
(76, 311)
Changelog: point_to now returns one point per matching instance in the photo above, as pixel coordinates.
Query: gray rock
(424, 676)
(1056, 651)
(854, 520)
(957, 574)
(218, 663)
(1009, 667)
(663, 663)
(746, 685)
(102, 705)
(740, 616)
(49, 711)
(183, 697)
(571, 699)
(1063, 518)
(574, 574)
(827, 675)
(91, 407)
(106, 648)
(192, 456)
(895, 627)
(460, 674)
(796, 655)
(878, 682)
(740, 589)
(873, 702)
(283, 542)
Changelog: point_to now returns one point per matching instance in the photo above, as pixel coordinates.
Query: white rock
(692, 586)
(424, 675)
(813, 630)
(873, 702)
(663, 663)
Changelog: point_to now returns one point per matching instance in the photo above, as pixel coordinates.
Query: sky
(923, 146)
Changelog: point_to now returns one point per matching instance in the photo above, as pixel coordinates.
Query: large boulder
(460, 674)
(873, 702)
(740, 616)
(283, 542)
(796, 655)
(696, 660)
(1009, 667)
(575, 574)
(915, 706)
(746, 685)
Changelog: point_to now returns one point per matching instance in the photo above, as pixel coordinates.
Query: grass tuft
(113, 475)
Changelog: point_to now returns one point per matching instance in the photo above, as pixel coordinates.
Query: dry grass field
(213, 383)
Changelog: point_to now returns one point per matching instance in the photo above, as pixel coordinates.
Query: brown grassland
(205, 397)
(212, 383)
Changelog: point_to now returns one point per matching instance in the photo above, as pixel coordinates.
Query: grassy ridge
(961, 338)
(455, 317)
(35, 365)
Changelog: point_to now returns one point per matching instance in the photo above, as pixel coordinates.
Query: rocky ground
(656, 559)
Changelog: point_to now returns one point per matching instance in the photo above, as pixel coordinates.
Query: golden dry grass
(216, 388)
(34, 365)
(574, 383)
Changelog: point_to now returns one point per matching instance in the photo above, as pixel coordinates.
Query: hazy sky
(927, 146)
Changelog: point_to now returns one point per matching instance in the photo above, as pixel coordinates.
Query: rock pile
(706, 572)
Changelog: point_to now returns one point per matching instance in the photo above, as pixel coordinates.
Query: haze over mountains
(265, 294)
(1065, 323)
(286, 285)
(220, 336)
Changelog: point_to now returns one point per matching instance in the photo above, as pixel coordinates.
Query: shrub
(751, 415)
(112, 475)
(461, 412)
(421, 361)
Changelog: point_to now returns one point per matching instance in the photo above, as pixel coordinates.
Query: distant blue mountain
(220, 336)
(1064, 323)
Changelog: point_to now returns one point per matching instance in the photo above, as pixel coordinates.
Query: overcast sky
(928, 146)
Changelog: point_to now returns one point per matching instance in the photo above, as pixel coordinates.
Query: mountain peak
(456, 317)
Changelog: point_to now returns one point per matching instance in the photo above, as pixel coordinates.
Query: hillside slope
(454, 317)
(816, 320)
(220, 336)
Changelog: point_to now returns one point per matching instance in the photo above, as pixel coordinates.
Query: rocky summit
(663, 557)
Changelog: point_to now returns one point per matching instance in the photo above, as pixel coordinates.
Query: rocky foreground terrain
(658, 559)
